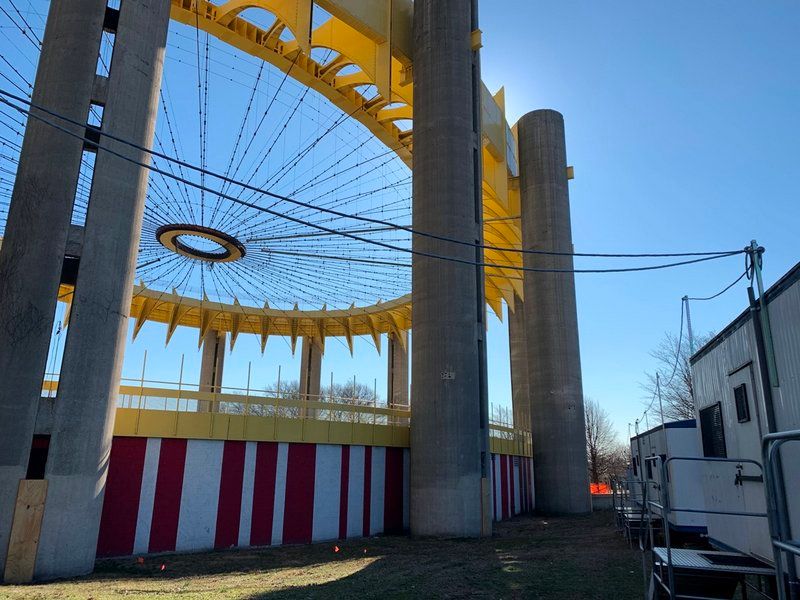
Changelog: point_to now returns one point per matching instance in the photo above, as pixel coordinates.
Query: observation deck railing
(168, 409)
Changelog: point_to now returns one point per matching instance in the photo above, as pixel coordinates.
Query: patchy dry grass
(531, 557)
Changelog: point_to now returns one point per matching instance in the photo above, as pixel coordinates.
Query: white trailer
(736, 408)
(676, 438)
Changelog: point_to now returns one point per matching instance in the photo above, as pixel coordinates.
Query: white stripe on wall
(246, 514)
(327, 490)
(377, 490)
(197, 522)
(145, 517)
(517, 485)
(355, 493)
(280, 493)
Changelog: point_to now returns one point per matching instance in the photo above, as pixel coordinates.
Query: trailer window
(712, 432)
(742, 406)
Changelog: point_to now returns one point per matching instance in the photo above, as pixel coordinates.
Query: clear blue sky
(683, 128)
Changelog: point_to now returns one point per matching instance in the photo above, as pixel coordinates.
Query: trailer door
(744, 402)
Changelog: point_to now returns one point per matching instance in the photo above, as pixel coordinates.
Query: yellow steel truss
(375, 36)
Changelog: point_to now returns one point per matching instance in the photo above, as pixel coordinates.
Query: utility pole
(689, 325)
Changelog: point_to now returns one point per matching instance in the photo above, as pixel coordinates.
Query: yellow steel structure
(374, 37)
(145, 411)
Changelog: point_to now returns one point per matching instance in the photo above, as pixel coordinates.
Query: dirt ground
(528, 557)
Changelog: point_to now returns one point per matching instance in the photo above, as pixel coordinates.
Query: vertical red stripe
(167, 501)
(511, 460)
(121, 500)
(298, 511)
(229, 506)
(504, 486)
(367, 489)
(393, 492)
(344, 489)
(263, 494)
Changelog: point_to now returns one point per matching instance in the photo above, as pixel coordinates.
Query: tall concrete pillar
(35, 237)
(211, 367)
(518, 353)
(90, 372)
(397, 379)
(310, 372)
(449, 492)
(554, 362)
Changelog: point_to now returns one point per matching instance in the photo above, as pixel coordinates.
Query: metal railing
(666, 509)
(159, 408)
(784, 548)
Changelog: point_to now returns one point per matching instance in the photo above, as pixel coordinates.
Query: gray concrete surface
(448, 495)
(35, 238)
(310, 372)
(87, 395)
(518, 361)
(554, 362)
(397, 376)
(212, 366)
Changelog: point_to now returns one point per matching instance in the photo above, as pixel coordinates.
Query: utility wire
(718, 294)
(717, 254)
(471, 263)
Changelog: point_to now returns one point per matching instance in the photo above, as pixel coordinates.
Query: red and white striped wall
(512, 485)
(165, 495)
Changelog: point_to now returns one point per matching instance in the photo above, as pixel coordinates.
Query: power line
(718, 294)
(705, 258)
(717, 254)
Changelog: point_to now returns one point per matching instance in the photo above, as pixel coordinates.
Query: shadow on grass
(528, 557)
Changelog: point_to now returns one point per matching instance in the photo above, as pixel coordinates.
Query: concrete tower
(449, 431)
(518, 354)
(33, 249)
(310, 373)
(212, 366)
(87, 396)
(551, 319)
(397, 372)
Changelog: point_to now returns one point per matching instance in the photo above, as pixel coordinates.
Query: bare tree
(601, 442)
(352, 393)
(675, 374)
(289, 390)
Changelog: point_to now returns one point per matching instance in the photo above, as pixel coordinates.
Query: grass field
(528, 557)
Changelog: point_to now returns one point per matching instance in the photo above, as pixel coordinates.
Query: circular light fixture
(223, 247)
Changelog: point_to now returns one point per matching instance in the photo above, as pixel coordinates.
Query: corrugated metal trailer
(734, 413)
(676, 438)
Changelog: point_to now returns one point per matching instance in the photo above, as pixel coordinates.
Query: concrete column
(518, 352)
(397, 380)
(554, 362)
(310, 372)
(449, 493)
(90, 373)
(211, 367)
(35, 237)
